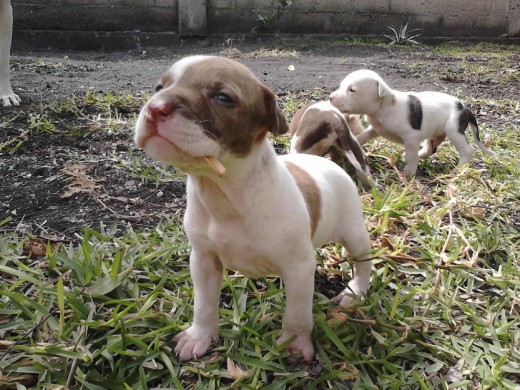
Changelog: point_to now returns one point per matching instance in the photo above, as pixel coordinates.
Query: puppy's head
(360, 92)
(315, 128)
(206, 107)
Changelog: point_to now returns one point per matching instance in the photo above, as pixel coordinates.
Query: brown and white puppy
(408, 117)
(265, 214)
(319, 127)
(7, 96)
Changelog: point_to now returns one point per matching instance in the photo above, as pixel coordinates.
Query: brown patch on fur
(317, 125)
(311, 130)
(310, 192)
(319, 131)
(231, 104)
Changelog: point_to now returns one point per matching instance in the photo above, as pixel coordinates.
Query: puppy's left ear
(277, 124)
(383, 88)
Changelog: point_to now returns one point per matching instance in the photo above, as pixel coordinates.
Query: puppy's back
(338, 193)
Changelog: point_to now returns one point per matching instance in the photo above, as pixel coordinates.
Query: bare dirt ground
(55, 184)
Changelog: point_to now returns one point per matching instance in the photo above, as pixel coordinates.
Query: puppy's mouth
(152, 129)
(175, 139)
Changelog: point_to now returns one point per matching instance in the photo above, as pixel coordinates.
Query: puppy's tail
(476, 135)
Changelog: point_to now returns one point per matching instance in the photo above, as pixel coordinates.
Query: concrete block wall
(96, 15)
(466, 18)
(435, 18)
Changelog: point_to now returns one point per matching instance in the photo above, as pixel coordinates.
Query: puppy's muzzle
(160, 110)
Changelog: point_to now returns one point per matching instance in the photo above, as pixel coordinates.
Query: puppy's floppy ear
(277, 124)
(383, 88)
(350, 145)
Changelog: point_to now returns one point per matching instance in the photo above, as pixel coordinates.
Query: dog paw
(345, 299)
(354, 291)
(301, 345)
(193, 342)
(409, 171)
(9, 100)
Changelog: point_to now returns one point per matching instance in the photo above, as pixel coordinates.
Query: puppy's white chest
(241, 248)
(241, 241)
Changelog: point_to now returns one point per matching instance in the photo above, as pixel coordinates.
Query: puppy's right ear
(277, 124)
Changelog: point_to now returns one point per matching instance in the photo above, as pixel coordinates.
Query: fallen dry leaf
(385, 243)
(12, 382)
(35, 247)
(79, 181)
(478, 212)
(235, 372)
(337, 318)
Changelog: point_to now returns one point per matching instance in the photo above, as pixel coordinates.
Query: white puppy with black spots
(408, 117)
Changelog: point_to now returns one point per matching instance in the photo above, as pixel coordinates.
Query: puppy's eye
(350, 89)
(158, 87)
(223, 98)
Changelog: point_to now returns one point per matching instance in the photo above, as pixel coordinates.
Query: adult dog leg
(7, 97)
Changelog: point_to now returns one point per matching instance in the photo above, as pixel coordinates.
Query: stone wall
(435, 18)
(486, 19)
(96, 15)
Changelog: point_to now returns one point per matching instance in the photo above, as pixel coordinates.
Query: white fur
(386, 109)
(7, 96)
(180, 66)
(254, 219)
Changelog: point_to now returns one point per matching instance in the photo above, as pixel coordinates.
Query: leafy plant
(272, 18)
(401, 35)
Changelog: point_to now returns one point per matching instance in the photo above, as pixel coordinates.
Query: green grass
(484, 62)
(443, 310)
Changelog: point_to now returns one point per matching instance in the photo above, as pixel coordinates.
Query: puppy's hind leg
(459, 141)
(476, 136)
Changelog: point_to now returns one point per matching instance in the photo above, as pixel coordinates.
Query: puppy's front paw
(194, 342)
(301, 345)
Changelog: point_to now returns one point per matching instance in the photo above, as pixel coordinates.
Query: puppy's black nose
(160, 110)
